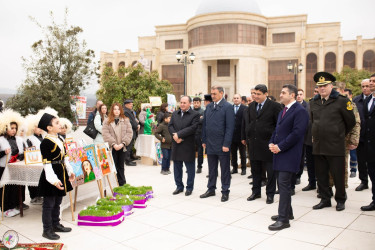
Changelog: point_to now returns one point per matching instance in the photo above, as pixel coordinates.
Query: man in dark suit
(217, 132)
(197, 103)
(262, 120)
(332, 119)
(362, 166)
(183, 125)
(287, 144)
(129, 112)
(369, 113)
(236, 140)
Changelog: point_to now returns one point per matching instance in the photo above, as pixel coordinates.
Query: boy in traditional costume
(55, 179)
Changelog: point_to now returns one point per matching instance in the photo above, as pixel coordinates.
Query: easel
(100, 187)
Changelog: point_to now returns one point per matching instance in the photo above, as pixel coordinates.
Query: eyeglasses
(372, 81)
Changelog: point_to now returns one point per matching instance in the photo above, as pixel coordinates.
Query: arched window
(330, 62)
(311, 69)
(349, 59)
(109, 64)
(369, 60)
(121, 64)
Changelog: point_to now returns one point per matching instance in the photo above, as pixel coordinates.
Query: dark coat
(161, 132)
(259, 129)
(238, 123)
(198, 133)
(331, 122)
(218, 127)
(369, 136)
(133, 121)
(289, 136)
(51, 152)
(304, 104)
(185, 128)
(359, 101)
(308, 136)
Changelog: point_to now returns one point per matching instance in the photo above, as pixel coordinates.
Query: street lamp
(295, 69)
(186, 59)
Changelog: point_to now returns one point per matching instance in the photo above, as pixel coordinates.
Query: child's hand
(72, 177)
(7, 151)
(59, 186)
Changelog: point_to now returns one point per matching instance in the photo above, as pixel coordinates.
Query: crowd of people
(279, 139)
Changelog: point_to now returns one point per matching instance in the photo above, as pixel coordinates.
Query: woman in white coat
(101, 114)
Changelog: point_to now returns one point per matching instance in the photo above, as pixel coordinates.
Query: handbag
(90, 130)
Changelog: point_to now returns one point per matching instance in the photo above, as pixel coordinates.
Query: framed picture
(70, 145)
(105, 158)
(76, 156)
(93, 160)
(33, 156)
(155, 101)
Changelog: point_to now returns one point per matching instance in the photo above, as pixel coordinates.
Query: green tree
(59, 67)
(352, 78)
(131, 83)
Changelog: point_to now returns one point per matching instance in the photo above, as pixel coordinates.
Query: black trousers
(256, 171)
(300, 172)
(129, 150)
(362, 166)
(371, 173)
(51, 211)
(11, 198)
(264, 169)
(213, 162)
(336, 166)
(199, 148)
(285, 202)
(119, 159)
(233, 150)
(33, 191)
(310, 163)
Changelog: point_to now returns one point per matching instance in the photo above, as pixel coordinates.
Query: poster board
(172, 103)
(155, 101)
(105, 159)
(79, 106)
(76, 156)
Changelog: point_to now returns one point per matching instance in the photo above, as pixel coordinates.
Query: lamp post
(295, 69)
(186, 59)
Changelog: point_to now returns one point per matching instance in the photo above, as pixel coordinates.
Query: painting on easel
(93, 160)
(76, 155)
(105, 159)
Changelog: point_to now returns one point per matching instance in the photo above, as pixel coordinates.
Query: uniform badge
(349, 105)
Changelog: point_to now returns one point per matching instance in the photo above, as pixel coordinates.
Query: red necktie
(284, 111)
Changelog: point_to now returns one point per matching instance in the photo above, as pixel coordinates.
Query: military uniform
(332, 119)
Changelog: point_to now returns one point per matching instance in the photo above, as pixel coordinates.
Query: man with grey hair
(362, 167)
(217, 133)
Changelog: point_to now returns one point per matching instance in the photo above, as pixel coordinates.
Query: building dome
(213, 6)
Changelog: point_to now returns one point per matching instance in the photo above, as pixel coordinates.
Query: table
(145, 146)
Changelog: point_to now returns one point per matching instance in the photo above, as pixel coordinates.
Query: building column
(321, 56)
(340, 55)
(359, 54)
(302, 75)
(115, 60)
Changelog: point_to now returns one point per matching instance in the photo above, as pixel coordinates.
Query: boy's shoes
(11, 212)
(169, 172)
(50, 234)
(61, 228)
(199, 170)
(164, 172)
(37, 201)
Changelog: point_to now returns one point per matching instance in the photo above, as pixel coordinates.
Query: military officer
(332, 119)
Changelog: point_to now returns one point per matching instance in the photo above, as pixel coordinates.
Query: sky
(116, 24)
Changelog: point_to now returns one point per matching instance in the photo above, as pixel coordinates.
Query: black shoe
(135, 158)
(50, 234)
(278, 225)
(269, 199)
(340, 206)
(275, 217)
(199, 170)
(251, 183)
(308, 188)
(224, 197)
(177, 191)
(207, 194)
(298, 181)
(264, 183)
(61, 228)
(277, 192)
(234, 171)
(243, 172)
(292, 192)
(188, 192)
(361, 187)
(130, 163)
(322, 204)
(253, 197)
(370, 207)
(250, 176)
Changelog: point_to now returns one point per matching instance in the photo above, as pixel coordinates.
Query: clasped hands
(117, 147)
(274, 148)
(176, 139)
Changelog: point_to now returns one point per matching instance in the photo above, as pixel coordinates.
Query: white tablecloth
(145, 146)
